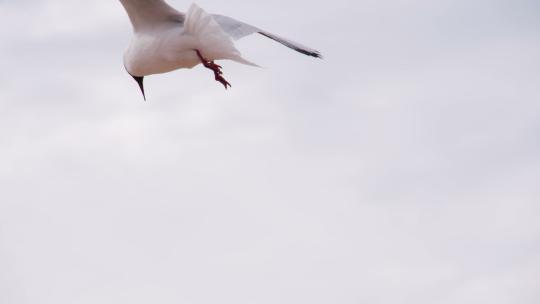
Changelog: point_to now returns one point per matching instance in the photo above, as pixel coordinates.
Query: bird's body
(165, 39)
(155, 53)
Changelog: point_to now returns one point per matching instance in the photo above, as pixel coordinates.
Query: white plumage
(165, 39)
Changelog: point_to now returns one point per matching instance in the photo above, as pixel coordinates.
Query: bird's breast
(154, 54)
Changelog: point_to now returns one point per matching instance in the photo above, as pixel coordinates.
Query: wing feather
(147, 14)
(237, 29)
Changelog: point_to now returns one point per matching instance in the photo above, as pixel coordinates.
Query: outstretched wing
(147, 14)
(237, 30)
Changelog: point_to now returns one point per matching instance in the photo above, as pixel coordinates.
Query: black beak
(139, 80)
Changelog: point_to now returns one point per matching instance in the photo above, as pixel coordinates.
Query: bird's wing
(147, 14)
(237, 30)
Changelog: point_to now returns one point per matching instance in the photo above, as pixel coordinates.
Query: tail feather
(213, 42)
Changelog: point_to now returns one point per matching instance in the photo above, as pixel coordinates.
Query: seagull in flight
(165, 39)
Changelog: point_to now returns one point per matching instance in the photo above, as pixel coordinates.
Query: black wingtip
(292, 45)
(315, 54)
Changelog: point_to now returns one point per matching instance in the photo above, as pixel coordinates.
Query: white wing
(237, 30)
(147, 14)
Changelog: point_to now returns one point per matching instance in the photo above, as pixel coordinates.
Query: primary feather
(237, 29)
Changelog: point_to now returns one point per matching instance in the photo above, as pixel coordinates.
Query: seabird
(165, 39)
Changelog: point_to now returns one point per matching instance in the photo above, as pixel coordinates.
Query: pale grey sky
(402, 168)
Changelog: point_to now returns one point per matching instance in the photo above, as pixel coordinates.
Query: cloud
(400, 169)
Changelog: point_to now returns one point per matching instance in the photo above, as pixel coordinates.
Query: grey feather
(237, 30)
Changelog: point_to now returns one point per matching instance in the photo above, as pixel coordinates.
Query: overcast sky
(402, 168)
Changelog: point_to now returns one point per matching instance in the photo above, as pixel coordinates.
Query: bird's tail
(212, 41)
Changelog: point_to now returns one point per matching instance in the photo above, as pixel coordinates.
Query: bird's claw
(216, 68)
(223, 81)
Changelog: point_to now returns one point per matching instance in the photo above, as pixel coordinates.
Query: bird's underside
(197, 37)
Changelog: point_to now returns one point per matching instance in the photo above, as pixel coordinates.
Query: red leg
(214, 67)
